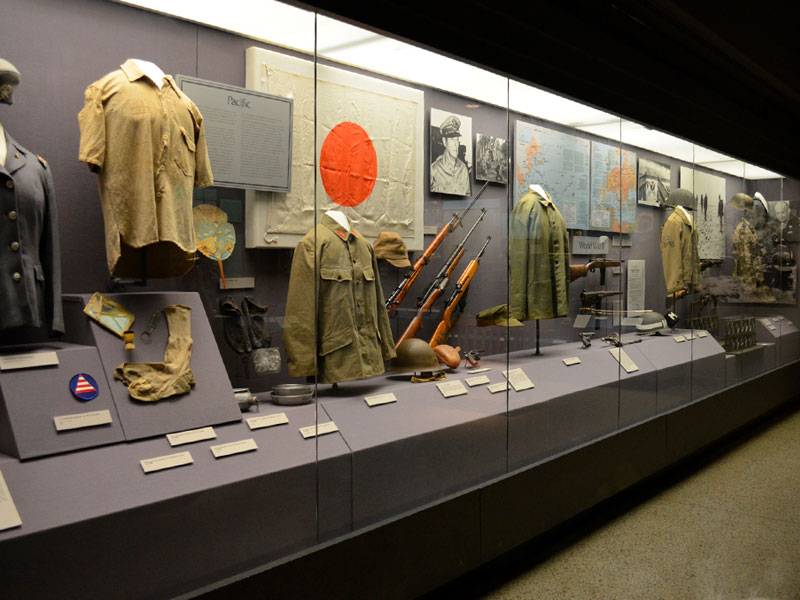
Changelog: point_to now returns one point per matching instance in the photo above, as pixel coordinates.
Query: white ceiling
(291, 27)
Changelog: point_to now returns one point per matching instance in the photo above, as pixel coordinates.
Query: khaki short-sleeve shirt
(148, 147)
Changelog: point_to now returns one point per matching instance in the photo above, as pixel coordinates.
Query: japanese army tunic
(344, 334)
(148, 147)
(539, 264)
(747, 268)
(30, 270)
(679, 252)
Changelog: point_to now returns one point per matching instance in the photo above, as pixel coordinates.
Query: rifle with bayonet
(457, 300)
(578, 271)
(437, 286)
(396, 297)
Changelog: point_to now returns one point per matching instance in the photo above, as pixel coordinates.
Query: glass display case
(315, 279)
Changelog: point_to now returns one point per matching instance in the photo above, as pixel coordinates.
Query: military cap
(9, 79)
(391, 247)
(450, 127)
(497, 315)
(742, 201)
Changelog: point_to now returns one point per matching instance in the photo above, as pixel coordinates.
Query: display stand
(32, 398)
(210, 402)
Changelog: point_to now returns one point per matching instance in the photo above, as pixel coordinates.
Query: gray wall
(61, 47)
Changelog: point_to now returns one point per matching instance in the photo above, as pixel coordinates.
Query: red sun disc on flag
(348, 164)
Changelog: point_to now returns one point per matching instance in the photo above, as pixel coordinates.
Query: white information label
(766, 323)
(476, 371)
(380, 399)
(778, 318)
(518, 380)
(473, 381)
(9, 517)
(192, 435)
(10, 362)
(159, 463)
(635, 289)
(679, 338)
(702, 334)
(452, 388)
(80, 420)
(321, 429)
(581, 321)
(221, 450)
(623, 359)
(267, 421)
(498, 387)
(690, 336)
(573, 360)
(601, 219)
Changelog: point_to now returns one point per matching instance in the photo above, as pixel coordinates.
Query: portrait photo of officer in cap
(451, 147)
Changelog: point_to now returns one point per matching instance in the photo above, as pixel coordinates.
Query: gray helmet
(416, 356)
(9, 79)
(651, 321)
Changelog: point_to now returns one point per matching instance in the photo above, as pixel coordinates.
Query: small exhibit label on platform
(380, 399)
(80, 420)
(623, 359)
(191, 435)
(480, 380)
(498, 387)
(9, 516)
(518, 380)
(702, 334)
(27, 361)
(690, 336)
(267, 421)
(221, 450)
(169, 461)
(452, 388)
(582, 321)
(321, 429)
(481, 370)
(776, 319)
(573, 360)
(679, 338)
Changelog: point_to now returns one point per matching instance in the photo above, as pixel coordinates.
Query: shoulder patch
(42, 160)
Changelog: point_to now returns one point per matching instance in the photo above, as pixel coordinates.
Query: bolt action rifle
(437, 286)
(457, 300)
(578, 271)
(396, 297)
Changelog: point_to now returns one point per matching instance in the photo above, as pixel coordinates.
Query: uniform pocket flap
(335, 274)
(335, 341)
(189, 139)
(369, 274)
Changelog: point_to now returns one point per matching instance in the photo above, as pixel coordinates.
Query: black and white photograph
(451, 152)
(491, 158)
(654, 182)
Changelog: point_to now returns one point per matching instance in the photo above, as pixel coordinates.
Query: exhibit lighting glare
(291, 27)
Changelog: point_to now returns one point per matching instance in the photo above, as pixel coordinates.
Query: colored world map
(613, 203)
(557, 161)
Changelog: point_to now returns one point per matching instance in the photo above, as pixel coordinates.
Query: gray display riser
(31, 398)
(571, 405)
(762, 358)
(420, 448)
(210, 402)
(192, 524)
(733, 369)
(686, 370)
(786, 337)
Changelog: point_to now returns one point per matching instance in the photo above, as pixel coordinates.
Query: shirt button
(12, 215)
(14, 246)
(16, 277)
(10, 184)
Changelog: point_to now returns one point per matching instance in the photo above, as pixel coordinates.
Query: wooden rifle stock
(427, 302)
(448, 321)
(400, 292)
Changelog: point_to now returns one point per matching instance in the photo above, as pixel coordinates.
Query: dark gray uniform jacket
(30, 270)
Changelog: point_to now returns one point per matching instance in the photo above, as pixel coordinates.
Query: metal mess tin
(292, 394)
